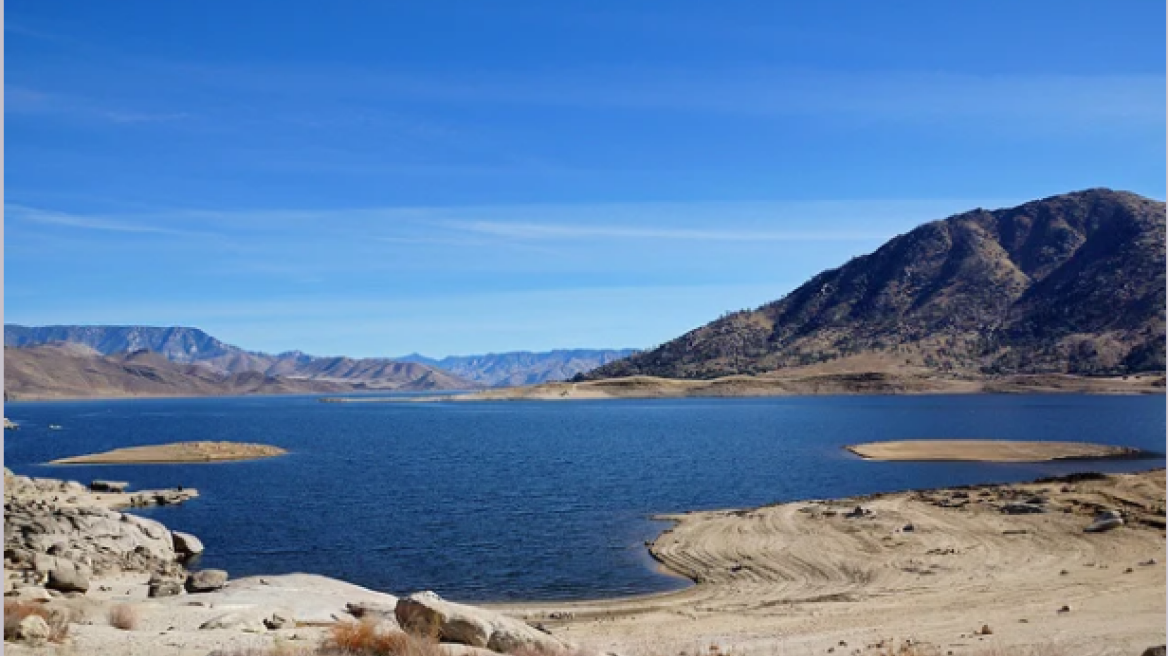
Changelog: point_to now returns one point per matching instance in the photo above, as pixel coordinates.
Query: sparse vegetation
(17, 611)
(123, 616)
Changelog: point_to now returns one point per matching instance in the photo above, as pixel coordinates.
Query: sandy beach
(987, 450)
(185, 452)
(934, 567)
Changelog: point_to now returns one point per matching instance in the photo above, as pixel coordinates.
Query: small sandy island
(988, 450)
(176, 453)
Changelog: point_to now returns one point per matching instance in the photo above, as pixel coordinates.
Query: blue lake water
(532, 500)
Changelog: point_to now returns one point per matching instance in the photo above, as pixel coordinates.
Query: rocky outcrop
(426, 613)
(186, 545)
(57, 536)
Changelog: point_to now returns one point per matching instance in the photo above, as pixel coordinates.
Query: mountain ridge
(186, 345)
(64, 370)
(1067, 284)
(511, 368)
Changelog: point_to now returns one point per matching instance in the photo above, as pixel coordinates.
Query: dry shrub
(15, 611)
(124, 617)
(366, 638)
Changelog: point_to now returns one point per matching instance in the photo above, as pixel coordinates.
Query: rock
(160, 587)
(363, 609)
(32, 593)
(1155, 651)
(1150, 561)
(250, 622)
(69, 576)
(463, 650)
(280, 619)
(908, 528)
(33, 630)
(986, 630)
(109, 486)
(185, 544)
(429, 614)
(857, 512)
(206, 580)
(1022, 509)
(1105, 521)
(1065, 609)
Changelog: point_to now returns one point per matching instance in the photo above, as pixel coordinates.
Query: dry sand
(186, 452)
(987, 450)
(800, 578)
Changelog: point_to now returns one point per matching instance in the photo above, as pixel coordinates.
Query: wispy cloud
(551, 231)
(27, 101)
(891, 95)
(84, 222)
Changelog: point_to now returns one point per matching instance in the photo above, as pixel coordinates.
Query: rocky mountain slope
(523, 367)
(193, 346)
(1069, 284)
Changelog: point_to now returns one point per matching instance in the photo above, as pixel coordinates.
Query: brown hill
(1069, 284)
(64, 371)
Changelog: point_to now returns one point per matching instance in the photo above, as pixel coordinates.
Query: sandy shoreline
(818, 384)
(988, 451)
(933, 566)
(177, 452)
(802, 577)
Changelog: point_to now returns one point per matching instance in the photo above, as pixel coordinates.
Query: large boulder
(206, 580)
(64, 575)
(426, 613)
(186, 545)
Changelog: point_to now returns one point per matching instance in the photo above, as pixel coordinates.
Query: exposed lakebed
(533, 500)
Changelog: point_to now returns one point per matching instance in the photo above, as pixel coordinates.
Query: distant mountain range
(63, 370)
(1070, 284)
(192, 346)
(523, 367)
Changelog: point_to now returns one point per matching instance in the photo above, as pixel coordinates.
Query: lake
(532, 500)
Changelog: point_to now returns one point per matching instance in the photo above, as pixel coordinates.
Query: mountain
(193, 346)
(1069, 284)
(175, 344)
(64, 370)
(523, 367)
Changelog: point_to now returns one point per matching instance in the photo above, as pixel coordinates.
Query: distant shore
(649, 387)
(988, 451)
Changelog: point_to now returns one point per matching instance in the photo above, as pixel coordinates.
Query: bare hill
(1072, 284)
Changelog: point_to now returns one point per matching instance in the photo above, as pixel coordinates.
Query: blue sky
(458, 177)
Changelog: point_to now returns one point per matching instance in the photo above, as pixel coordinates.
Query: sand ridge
(184, 452)
(987, 450)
